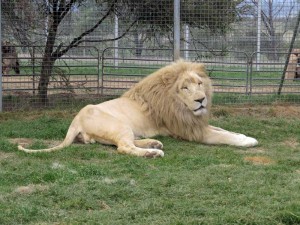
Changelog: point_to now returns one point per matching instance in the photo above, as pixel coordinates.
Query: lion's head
(190, 88)
(177, 96)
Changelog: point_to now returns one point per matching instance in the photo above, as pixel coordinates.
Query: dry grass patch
(286, 111)
(31, 188)
(104, 205)
(258, 150)
(259, 160)
(4, 155)
(291, 142)
(21, 141)
(28, 141)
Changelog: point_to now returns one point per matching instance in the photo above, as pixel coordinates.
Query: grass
(192, 184)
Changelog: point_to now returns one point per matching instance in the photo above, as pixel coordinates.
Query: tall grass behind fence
(101, 48)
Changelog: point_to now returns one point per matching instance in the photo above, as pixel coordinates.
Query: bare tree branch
(112, 39)
(67, 8)
(76, 41)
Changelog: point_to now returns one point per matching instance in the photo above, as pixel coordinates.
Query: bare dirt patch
(31, 188)
(104, 205)
(21, 141)
(286, 111)
(259, 160)
(291, 142)
(27, 141)
(253, 151)
(4, 156)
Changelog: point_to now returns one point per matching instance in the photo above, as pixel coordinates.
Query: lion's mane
(156, 96)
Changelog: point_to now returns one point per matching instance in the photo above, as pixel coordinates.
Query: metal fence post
(1, 61)
(176, 47)
(258, 34)
(186, 41)
(33, 69)
(249, 74)
(116, 42)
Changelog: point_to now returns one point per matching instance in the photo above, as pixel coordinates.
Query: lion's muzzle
(201, 107)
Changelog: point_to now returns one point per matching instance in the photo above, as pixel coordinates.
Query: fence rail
(102, 75)
(239, 77)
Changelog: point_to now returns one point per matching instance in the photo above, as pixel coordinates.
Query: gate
(236, 76)
(119, 74)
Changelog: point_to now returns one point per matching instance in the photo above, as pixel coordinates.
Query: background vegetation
(47, 31)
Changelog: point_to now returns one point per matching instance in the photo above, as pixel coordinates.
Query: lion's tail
(70, 137)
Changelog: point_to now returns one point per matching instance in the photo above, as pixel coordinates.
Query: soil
(284, 111)
(259, 160)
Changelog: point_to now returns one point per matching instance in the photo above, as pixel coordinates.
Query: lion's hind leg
(143, 148)
(108, 129)
(148, 143)
(127, 145)
(84, 138)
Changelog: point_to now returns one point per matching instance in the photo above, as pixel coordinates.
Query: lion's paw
(156, 145)
(245, 141)
(154, 153)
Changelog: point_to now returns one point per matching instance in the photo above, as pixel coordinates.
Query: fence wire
(58, 53)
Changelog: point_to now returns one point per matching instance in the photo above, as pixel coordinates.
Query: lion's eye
(199, 83)
(184, 88)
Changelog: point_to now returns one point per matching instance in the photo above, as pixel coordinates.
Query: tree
(52, 13)
(43, 18)
(272, 12)
(57, 11)
(20, 18)
(156, 16)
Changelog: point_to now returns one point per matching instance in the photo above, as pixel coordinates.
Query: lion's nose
(200, 100)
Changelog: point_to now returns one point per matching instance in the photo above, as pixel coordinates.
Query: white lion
(173, 101)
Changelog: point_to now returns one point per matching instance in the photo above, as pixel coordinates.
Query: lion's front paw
(148, 143)
(245, 141)
(156, 144)
(154, 153)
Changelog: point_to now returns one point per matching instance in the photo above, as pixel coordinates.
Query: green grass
(192, 184)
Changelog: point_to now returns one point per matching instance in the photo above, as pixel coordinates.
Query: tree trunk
(60, 10)
(47, 66)
(48, 61)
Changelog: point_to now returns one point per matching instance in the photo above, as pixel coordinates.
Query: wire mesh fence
(75, 75)
(58, 53)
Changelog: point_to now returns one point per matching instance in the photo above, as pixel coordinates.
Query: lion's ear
(168, 77)
(200, 69)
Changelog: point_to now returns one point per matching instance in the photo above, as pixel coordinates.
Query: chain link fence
(59, 53)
